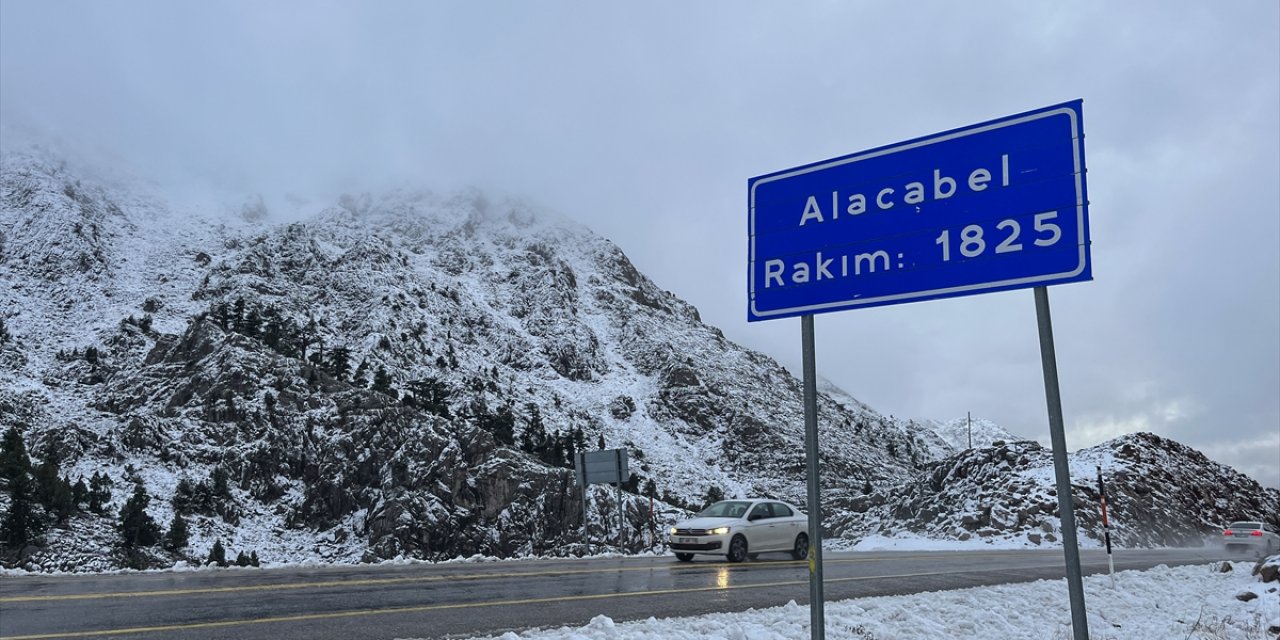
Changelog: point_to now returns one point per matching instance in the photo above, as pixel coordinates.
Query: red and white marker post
(1106, 528)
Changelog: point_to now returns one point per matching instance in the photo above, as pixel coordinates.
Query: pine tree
(4, 332)
(253, 559)
(14, 460)
(176, 538)
(184, 496)
(80, 492)
(220, 483)
(382, 383)
(20, 526)
(714, 494)
(217, 555)
(136, 527)
(99, 493)
(242, 560)
(338, 362)
(866, 487)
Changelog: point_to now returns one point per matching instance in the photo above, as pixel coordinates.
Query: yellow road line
(363, 582)
(433, 607)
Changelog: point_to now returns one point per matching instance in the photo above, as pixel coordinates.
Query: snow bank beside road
(1161, 603)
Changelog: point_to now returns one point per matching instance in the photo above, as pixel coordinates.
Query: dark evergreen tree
(338, 362)
(176, 538)
(714, 494)
(893, 449)
(4, 332)
(237, 316)
(600, 442)
(535, 433)
(307, 337)
(555, 451)
(650, 489)
(99, 493)
(570, 451)
(430, 394)
(20, 525)
(136, 527)
(360, 377)
(184, 497)
(53, 491)
(242, 560)
(253, 559)
(866, 487)
(251, 323)
(219, 483)
(14, 460)
(62, 502)
(217, 555)
(80, 492)
(382, 383)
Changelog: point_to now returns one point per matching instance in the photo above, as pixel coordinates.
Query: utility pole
(969, 420)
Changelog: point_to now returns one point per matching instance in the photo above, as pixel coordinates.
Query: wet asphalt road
(458, 600)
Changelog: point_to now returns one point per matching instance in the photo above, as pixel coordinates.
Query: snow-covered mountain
(355, 373)
(958, 432)
(1159, 493)
(403, 375)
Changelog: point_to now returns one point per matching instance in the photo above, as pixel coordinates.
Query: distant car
(741, 529)
(1251, 536)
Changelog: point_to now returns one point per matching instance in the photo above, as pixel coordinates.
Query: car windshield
(726, 509)
(1245, 525)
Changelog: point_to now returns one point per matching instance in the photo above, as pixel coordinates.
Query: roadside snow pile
(1185, 602)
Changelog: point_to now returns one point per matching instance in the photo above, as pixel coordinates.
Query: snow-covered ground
(1189, 602)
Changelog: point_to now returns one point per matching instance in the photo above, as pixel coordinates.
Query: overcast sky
(645, 120)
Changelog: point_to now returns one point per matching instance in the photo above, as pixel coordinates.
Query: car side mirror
(755, 516)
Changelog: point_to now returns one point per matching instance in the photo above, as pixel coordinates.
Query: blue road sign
(989, 207)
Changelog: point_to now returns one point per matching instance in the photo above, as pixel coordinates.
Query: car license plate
(688, 540)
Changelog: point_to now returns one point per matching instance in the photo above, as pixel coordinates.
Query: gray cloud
(645, 122)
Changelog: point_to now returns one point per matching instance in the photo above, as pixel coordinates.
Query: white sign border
(1078, 139)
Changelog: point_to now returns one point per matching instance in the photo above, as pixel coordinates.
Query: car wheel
(801, 550)
(737, 549)
(684, 557)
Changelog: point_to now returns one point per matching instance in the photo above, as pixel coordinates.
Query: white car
(741, 529)
(1256, 536)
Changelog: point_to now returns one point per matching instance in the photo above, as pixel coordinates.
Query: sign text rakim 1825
(998, 205)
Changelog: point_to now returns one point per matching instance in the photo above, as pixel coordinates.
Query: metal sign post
(993, 206)
(817, 623)
(1066, 510)
(608, 466)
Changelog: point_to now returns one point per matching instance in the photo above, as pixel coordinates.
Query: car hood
(708, 523)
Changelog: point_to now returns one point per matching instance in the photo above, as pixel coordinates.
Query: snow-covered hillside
(963, 433)
(376, 373)
(406, 374)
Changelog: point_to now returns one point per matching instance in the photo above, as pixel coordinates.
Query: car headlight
(673, 531)
(719, 531)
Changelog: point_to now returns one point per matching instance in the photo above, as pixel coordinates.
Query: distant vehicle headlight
(673, 531)
(719, 531)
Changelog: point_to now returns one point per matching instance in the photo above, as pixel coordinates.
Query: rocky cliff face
(1159, 493)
